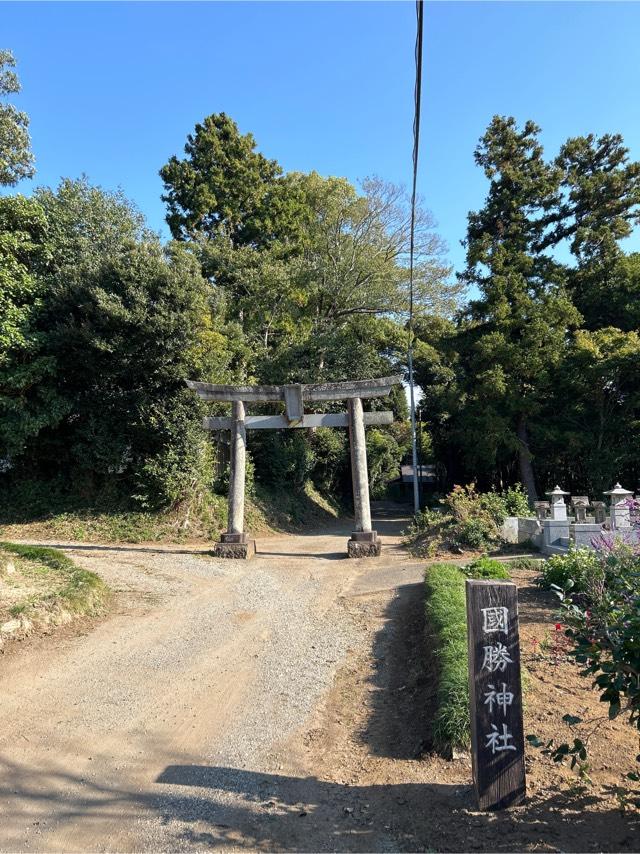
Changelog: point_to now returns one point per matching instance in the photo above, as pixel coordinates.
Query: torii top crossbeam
(294, 397)
(313, 391)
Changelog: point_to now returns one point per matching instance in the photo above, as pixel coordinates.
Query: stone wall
(522, 529)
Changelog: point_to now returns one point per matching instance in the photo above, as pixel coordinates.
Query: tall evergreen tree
(517, 330)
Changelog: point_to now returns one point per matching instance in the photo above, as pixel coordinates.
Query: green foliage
(16, 159)
(384, 456)
(534, 381)
(604, 626)
(486, 567)
(446, 626)
(558, 753)
(331, 461)
(282, 458)
(27, 401)
(221, 482)
(575, 571)
(469, 520)
(476, 516)
(600, 596)
(120, 323)
(426, 532)
(50, 557)
(223, 187)
(516, 502)
(447, 638)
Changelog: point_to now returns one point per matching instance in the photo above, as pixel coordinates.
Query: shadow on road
(404, 695)
(92, 547)
(197, 806)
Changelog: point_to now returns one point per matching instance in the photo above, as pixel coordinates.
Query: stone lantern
(619, 512)
(558, 507)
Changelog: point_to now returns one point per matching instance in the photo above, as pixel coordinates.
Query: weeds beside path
(41, 587)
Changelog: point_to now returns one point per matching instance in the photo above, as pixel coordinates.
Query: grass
(42, 586)
(446, 626)
(486, 567)
(200, 520)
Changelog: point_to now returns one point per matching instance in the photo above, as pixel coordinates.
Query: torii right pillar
(364, 540)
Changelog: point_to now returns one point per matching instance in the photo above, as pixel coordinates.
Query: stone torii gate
(236, 542)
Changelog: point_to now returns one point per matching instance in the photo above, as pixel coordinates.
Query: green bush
(486, 567)
(476, 516)
(603, 624)
(384, 456)
(570, 571)
(426, 531)
(446, 627)
(516, 502)
(470, 520)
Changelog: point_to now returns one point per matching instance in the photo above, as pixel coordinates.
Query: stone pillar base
(237, 546)
(364, 544)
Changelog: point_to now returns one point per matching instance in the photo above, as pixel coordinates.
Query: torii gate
(236, 541)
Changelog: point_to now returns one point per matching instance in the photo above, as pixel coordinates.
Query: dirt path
(146, 732)
(280, 704)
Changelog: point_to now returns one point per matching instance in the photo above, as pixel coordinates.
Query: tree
(125, 321)
(592, 438)
(224, 187)
(517, 330)
(599, 205)
(27, 401)
(309, 274)
(16, 158)
(355, 260)
(87, 224)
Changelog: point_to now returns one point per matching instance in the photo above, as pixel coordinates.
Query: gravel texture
(169, 722)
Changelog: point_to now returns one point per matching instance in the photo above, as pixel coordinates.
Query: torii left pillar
(364, 540)
(235, 542)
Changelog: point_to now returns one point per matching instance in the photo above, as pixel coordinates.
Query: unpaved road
(281, 705)
(177, 722)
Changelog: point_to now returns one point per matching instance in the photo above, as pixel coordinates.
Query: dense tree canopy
(537, 369)
(274, 277)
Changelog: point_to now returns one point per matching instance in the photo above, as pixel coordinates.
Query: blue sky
(112, 89)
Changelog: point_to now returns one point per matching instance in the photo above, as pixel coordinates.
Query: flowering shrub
(469, 520)
(600, 595)
(478, 516)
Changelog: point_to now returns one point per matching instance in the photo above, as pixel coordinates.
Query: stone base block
(239, 551)
(364, 544)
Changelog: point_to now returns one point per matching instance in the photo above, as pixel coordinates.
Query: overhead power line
(416, 146)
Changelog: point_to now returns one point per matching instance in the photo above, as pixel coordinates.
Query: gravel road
(168, 725)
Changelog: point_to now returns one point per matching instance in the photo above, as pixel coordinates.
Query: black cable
(416, 145)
